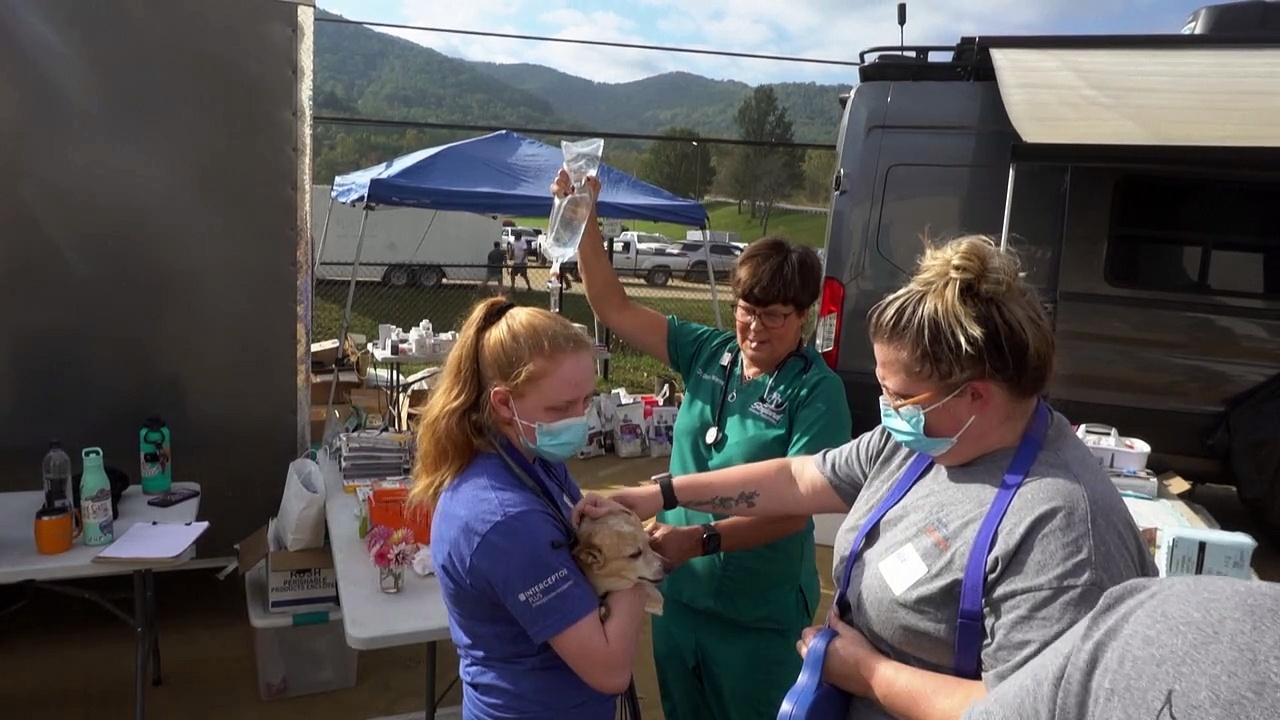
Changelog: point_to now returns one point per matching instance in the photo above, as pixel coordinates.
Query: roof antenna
(902, 24)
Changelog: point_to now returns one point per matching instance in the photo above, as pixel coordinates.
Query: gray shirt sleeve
(1033, 689)
(847, 467)
(1166, 649)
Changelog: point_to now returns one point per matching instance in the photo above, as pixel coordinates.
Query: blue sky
(835, 29)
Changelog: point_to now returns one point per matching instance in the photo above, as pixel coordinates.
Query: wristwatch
(669, 501)
(710, 539)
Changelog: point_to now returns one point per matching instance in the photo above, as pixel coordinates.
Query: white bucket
(1113, 451)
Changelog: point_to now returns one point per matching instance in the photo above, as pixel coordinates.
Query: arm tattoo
(746, 498)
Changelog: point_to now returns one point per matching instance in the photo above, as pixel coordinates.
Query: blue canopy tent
(503, 173)
(499, 173)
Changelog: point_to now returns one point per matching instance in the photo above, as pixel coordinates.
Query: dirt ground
(65, 658)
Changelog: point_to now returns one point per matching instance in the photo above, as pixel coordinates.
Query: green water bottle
(95, 499)
(153, 447)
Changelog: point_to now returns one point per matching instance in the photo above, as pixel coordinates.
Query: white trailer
(402, 246)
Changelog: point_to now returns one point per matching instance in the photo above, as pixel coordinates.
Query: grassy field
(448, 306)
(805, 228)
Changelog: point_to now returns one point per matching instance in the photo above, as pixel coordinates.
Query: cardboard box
(594, 446)
(629, 431)
(369, 400)
(325, 353)
(348, 380)
(1201, 551)
(1173, 485)
(661, 431)
(344, 415)
(298, 581)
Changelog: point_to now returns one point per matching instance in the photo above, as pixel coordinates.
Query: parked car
(724, 256)
(1158, 261)
(646, 240)
(656, 264)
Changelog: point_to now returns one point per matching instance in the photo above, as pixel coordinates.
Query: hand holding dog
(635, 499)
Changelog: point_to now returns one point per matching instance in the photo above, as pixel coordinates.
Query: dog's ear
(589, 556)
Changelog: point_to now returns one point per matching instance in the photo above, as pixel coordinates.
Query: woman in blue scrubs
(508, 411)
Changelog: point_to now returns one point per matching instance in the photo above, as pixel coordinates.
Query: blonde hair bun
(968, 266)
(967, 313)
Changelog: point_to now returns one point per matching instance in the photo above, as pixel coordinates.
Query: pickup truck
(656, 264)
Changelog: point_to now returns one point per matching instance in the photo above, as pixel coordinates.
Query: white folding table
(21, 564)
(371, 618)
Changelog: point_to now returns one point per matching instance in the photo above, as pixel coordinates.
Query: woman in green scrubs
(742, 589)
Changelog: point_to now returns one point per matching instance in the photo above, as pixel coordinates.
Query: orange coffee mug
(56, 529)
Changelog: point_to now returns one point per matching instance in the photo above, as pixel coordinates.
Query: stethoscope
(729, 361)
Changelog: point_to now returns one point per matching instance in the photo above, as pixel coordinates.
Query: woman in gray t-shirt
(963, 353)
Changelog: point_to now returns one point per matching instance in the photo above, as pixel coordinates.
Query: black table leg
(153, 627)
(143, 644)
(431, 681)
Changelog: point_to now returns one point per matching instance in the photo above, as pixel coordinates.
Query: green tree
(765, 174)
(819, 167)
(679, 166)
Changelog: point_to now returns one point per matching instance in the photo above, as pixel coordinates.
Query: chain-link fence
(403, 296)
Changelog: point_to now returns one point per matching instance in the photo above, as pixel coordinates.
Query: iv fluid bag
(569, 214)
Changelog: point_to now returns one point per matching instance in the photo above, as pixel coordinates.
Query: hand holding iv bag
(569, 215)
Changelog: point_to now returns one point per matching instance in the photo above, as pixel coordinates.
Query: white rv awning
(1142, 96)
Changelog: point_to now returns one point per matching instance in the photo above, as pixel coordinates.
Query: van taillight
(830, 310)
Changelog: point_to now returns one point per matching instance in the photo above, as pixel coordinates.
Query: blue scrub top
(510, 585)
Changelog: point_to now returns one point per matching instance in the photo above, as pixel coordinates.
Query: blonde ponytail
(967, 314)
(497, 345)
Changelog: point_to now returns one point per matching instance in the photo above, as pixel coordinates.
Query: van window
(1200, 234)
(936, 202)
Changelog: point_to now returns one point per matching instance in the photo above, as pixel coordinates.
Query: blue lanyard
(526, 473)
(969, 626)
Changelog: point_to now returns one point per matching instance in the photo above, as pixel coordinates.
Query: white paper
(161, 541)
(902, 569)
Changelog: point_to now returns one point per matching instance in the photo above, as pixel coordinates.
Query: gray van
(1141, 189)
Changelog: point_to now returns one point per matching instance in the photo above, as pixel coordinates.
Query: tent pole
(346, 321)
(711, 272)
(1008, 208)
(608, 334)
(324, 233)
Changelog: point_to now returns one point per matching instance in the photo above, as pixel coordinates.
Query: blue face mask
(555, 441)
(906, 426)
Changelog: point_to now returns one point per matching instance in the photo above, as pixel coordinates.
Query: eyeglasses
(898, 403)
(770, 319)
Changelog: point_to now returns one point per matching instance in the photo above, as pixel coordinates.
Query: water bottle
(95, 499)
(153, 448)
(56, 472)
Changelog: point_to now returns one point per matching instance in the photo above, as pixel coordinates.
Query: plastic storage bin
(297, 654)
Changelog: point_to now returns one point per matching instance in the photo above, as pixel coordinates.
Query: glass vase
(390, 579)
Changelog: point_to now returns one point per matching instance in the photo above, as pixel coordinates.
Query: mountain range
(360, 72)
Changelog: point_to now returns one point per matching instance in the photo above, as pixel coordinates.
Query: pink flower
(391, 548)
(378, 534)
(382, 556)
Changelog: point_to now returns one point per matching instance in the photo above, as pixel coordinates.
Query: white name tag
(902, 569)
